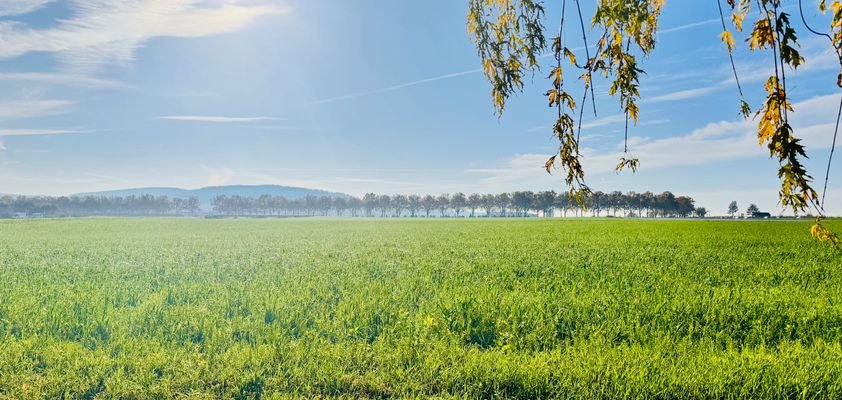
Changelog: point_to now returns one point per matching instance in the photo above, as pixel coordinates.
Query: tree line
(77, 206)
(508, 204)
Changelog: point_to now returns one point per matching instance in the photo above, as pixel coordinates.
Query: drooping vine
(568, 153)
(509, 35)
(728, 39)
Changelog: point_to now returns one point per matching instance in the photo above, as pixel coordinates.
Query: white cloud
(61, 79)
(523, 171)
(613, 119)
(18, 7)
(715, 141)
(683, 94)
(32, 108)
(812, 121)
(109, 31)
(214, 118)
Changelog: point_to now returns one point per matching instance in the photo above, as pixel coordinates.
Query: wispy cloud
(32, 108)
(684, 94)
(37, 132)
(818, 54)
(611, 119)
(214, 118)
(286, 128)
(614, 119)
(62, 79)
(110, 31)
(654, 122)
(18, 7)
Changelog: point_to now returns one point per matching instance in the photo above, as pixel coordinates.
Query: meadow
(309, 308)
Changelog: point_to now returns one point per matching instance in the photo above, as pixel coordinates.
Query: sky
(370, 96)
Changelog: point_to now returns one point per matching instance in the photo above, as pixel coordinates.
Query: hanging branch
(779, 37)
(745, 110)
(568, 152)
(589, 62)
(830, 158)
(839, 113)
(626, 161)
(815, 32)
(588, 75)
(509, 34)
(557, 49)
(806, 25)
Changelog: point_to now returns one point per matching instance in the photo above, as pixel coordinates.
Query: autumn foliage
(509, 35)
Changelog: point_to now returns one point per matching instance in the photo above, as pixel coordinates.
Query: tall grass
(133, 308)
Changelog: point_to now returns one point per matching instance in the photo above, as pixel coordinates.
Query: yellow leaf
(549, 164)
(570, 56)
(633, 111)
(821, 233)
(762, 35)
(488, 69)
(553, 97)
(728, 40)
(557, 77)
(738, 20)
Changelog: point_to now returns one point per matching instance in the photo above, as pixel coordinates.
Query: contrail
(468, 72)
(688, 26)
(393, 88)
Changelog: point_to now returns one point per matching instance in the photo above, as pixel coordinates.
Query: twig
(730, 54)
(588, 55)
(558, 53)
(830, 158)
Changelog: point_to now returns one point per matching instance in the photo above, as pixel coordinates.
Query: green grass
(162, 308)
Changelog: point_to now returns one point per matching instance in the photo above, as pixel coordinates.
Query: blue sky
(365, 95)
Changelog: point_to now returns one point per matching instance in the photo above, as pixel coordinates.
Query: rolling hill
(206, 193)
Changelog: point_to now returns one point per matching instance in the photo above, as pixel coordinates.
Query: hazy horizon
(366, 97)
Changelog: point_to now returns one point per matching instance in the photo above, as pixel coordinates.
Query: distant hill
(205, 194)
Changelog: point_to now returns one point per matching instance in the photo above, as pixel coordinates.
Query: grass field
(188, 308)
